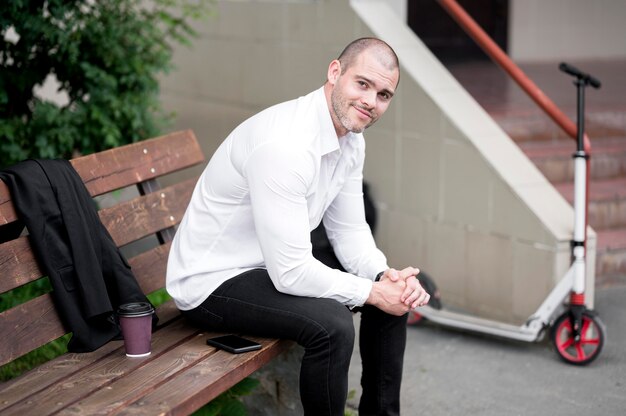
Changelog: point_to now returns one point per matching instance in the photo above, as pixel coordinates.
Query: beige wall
(541, 30)
(455, 196)
(567, 29)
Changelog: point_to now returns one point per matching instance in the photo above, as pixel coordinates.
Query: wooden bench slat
(99, 375)
(48, 374)
(18, 265)
(35, 322)
(20, 333)
(149, 268)
(132, 220)
(68, 366)
(123, 166)
(7, 211)
(218, 373)
(132, 387)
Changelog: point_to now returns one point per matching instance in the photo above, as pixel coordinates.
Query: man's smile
(363, 112)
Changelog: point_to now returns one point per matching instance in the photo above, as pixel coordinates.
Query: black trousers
(250, 303)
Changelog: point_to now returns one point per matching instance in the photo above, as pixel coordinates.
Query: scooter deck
(473, 323)
(531, 330)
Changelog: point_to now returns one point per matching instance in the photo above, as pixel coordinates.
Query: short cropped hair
(354, 49)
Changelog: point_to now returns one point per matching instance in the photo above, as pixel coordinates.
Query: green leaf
(244, 387)
(234, 408)
(229, 402)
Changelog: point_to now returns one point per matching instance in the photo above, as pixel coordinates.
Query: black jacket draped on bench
(89, 276)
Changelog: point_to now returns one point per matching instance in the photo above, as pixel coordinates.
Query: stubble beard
(341, 106)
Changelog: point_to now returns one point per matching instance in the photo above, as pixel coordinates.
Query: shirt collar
(328, 135)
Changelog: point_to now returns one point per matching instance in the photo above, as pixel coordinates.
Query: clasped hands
(398, 291)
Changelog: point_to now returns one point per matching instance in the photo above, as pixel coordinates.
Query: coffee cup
(136, 323)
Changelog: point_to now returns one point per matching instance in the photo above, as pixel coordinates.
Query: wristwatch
(379, 276)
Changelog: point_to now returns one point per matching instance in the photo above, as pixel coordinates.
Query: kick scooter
(577, 332)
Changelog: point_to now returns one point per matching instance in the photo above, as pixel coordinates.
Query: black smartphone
(233, 344)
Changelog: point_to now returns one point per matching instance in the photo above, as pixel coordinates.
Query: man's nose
(368, 99)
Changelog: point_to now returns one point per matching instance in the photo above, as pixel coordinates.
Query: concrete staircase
(548, 147)
(607, 194)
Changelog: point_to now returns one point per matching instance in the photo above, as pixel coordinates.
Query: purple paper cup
(136, 322)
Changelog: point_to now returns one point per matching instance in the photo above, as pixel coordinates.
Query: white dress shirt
(272, 181)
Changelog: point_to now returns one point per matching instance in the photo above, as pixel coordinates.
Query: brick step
(607, 201)
(611, 256)
(524, 125)
(554, 158)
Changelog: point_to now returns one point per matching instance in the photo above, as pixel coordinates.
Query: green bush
(106, 56)
(229, 403)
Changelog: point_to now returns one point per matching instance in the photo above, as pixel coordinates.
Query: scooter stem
(580, 179)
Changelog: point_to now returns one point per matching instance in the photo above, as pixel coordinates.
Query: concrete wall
(541, 30)
(567, 29)
(455, 196)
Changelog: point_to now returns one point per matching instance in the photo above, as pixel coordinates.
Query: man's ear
(334, 71)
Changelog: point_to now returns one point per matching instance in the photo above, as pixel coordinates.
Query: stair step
(611, 255)
(607, 201)
(534, 125)
(554, 158)
(550, 149)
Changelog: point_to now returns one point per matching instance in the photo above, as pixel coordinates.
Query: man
(241, 260)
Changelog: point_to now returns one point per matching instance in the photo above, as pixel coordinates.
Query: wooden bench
(182, 373)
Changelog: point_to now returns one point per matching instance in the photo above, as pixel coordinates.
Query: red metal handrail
(501, 58)
(487, 44)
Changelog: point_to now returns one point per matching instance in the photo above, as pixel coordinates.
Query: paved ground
(448, 372)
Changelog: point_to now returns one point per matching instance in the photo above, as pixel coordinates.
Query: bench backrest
(154, 212)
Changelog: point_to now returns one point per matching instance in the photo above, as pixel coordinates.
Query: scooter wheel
(591, 341)
(414, 318)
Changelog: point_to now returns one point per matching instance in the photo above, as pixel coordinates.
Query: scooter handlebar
(587, 78)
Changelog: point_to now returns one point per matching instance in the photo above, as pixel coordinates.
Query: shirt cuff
(364, 289)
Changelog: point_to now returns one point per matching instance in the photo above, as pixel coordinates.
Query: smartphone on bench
(233, 344)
